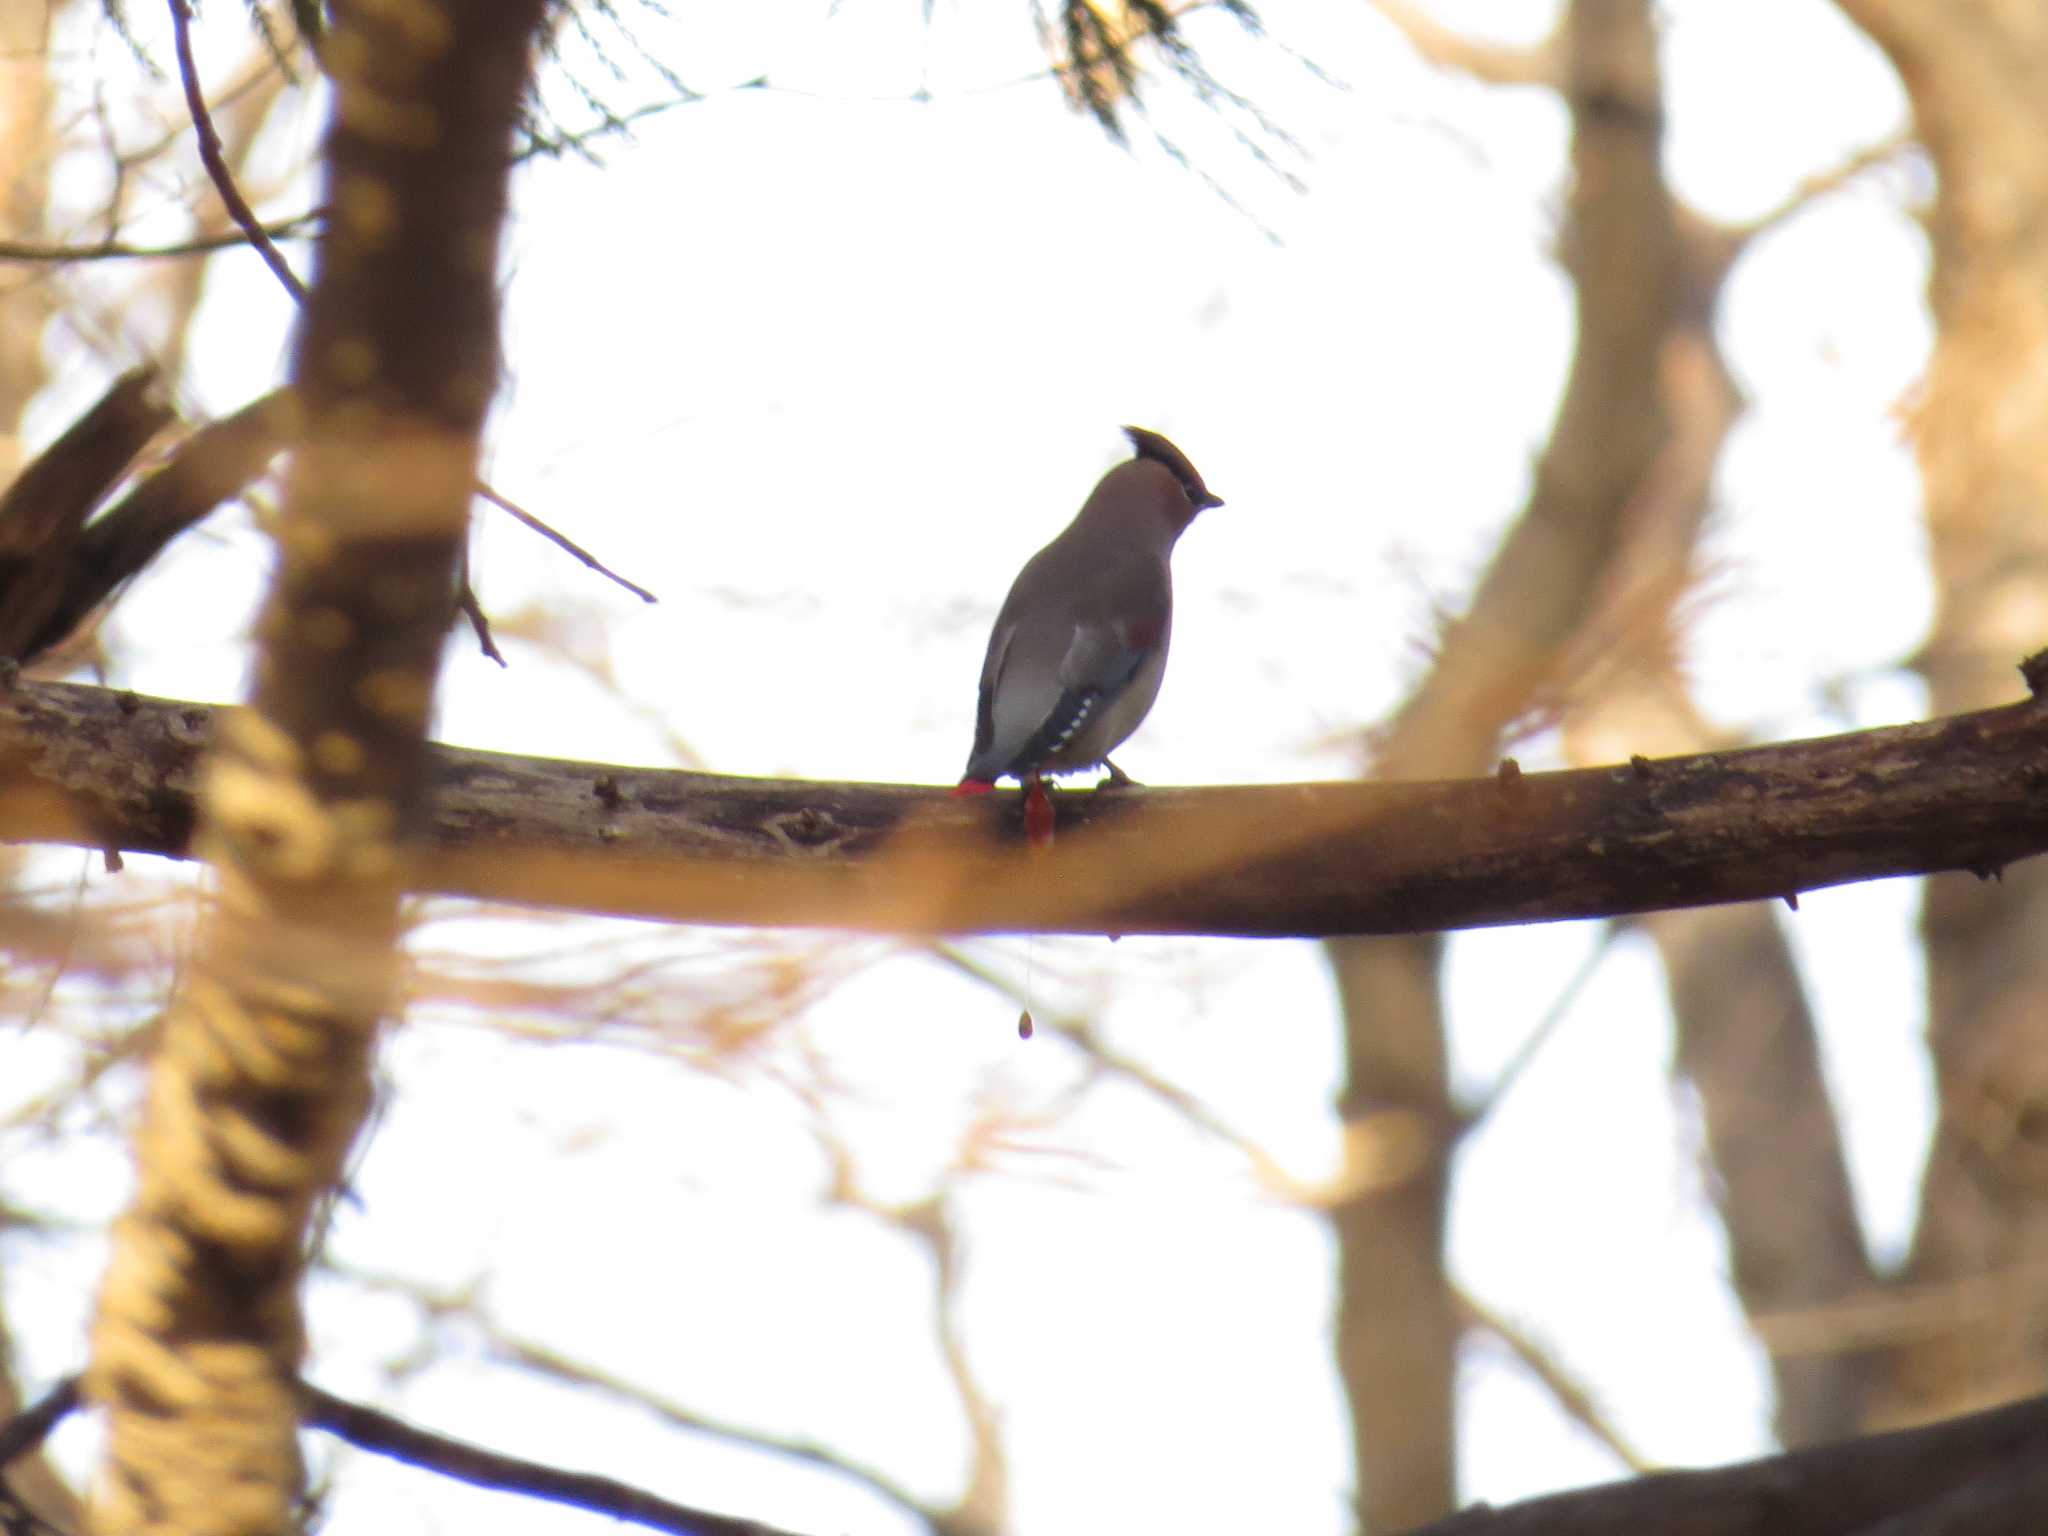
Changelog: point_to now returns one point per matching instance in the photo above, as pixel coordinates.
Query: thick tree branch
(100, 769)
(1944, 1478)
(215, 463)
(43, 511)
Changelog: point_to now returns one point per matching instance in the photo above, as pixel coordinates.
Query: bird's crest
(1150, 445)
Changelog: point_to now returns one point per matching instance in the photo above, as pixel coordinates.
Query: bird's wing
(1042, 682)
(985, 706)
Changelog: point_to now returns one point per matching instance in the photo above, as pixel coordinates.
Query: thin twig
(531, 1355)
(293, 228)
(253, 231)
(1824, 183)
(930, 1223)
(1573, 1398)
(560, 541)
(618, 123)
(1560, 1007)
(370, 1430)
(216, 165)
(543, 1361)
(465, 599)
(1492, 63)
(70, 942)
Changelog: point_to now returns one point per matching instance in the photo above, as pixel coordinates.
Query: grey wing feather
(1042, 680)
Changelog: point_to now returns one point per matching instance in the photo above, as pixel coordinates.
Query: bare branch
(31, 1427)
(532, 1355)
(983, 1505)
(1491, 62)
(100, 769)
(43, 512)
(562, 542)
(216, 164)
(1823, 183)
(213, 464)
(1544, 1030)
(1569, 1393)
(472, 610)
(372, 1430)
(298, 227)
(1833, 1490)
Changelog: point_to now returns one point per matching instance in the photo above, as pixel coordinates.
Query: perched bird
(1080, 645)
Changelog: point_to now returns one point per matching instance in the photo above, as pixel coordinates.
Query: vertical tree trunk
(1745, 1035)
(1977, 74)
(1396, 1326)
(262, 1077)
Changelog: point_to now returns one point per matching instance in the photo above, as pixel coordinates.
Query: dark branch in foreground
(371, 1430)
(31, 1427)
(43, 513)
(1980, 1474)
(215, 463)
(100, 769)
(1983, 1472)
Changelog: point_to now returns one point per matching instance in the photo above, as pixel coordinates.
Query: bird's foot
(1117, 779)
(1038, 816)
(972, 787)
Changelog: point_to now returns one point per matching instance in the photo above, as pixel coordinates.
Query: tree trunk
(1977, 75)
(1396, 1332)
(262, 1077)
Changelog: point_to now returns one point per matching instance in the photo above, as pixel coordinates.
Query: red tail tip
(972, 787)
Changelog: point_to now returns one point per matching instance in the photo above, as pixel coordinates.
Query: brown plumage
(1079, 648)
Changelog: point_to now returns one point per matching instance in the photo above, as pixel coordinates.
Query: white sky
(822, 365)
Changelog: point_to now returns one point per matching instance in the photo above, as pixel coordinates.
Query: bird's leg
(1037, 812)
(1117, 779)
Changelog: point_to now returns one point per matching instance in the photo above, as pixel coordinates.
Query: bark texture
(262, 1075)
(101, 769)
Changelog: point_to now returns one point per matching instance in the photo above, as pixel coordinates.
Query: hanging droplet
(1024, 1025)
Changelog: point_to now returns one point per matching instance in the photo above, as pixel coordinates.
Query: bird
(1079, 647)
